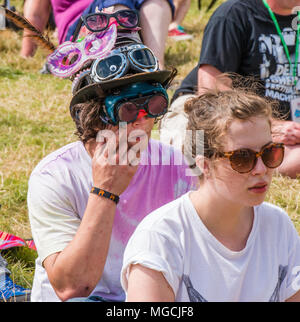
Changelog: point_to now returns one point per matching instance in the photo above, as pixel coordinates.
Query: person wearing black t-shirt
(255, 38)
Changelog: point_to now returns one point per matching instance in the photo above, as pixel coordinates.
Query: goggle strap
(104, 117)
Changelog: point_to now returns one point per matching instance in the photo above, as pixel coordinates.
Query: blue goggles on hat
(126, 105)
(135, 56)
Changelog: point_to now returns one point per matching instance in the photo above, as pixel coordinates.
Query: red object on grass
(8, 241)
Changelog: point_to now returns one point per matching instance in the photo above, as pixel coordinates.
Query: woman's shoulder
(272, 215)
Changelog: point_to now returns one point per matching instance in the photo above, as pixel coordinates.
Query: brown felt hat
(88, 92)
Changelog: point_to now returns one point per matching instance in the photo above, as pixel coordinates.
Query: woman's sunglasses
(99, 21)
(244, 160)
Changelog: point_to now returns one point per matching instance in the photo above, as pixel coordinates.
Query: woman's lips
(260, 187)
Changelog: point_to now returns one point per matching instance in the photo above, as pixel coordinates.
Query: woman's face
(246, 189)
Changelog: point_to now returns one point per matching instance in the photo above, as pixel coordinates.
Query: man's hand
(110, 166)
(287, 132)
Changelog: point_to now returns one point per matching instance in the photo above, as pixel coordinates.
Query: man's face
(127, 140)
(133, 118)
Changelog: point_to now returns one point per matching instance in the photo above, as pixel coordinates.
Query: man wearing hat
(86, 198)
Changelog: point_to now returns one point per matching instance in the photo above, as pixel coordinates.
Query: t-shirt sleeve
(52, 218)
(153, 250)
(222, 45)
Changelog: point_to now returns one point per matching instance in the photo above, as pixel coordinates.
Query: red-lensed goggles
(135, 101)
(151, 106)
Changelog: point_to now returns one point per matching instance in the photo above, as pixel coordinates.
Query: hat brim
(100, 90)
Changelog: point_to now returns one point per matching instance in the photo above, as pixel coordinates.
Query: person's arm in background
(222, 48)
(37, 12)
(210, 77)
(155, 17)
(287, 132)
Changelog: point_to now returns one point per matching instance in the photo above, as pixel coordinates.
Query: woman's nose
(260, 167)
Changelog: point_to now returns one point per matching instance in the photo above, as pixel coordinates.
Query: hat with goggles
(108, 63)
(126, 96)
(123, 66)
(112, 76)
(94, 90)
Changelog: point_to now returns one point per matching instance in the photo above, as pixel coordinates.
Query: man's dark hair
(87, 119)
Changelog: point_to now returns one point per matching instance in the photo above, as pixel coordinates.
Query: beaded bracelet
(105, 194)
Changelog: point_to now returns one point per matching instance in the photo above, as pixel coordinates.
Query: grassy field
(34, 121)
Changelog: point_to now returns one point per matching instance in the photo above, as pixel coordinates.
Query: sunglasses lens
(273, 156)
(109, 67)
(128, 18)
(128, 112)
(242, 160)
(96, 22)
(157, 105)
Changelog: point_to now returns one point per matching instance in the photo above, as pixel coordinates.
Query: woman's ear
(204, 165)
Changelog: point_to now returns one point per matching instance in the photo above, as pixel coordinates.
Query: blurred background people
(155, 18)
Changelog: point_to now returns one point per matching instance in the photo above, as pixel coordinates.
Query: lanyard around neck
(283, 41)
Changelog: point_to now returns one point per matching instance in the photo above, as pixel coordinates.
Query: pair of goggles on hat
(70, 57)
(136, 57)
(99, 21)
(126, 105)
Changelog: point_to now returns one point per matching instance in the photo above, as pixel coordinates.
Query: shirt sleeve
(153, 250)
(52, 218)
(222, 44)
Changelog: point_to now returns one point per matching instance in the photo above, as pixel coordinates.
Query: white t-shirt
(174, 241)
(57, 197)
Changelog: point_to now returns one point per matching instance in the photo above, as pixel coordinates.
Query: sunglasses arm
(76, 32)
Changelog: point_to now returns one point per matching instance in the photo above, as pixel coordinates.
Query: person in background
(221, 242)
(155, 17)
(176, 31)
(256, 38)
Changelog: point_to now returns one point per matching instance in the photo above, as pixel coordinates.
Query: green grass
(35, 120)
